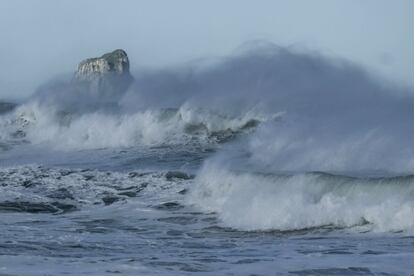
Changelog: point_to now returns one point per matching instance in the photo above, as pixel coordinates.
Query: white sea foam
(92, 130)
(38, 185)
(252, 201)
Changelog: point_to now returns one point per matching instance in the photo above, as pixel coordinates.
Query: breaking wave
(37, 124)
(255, 201)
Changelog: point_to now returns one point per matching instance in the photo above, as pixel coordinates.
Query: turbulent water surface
(268, 162)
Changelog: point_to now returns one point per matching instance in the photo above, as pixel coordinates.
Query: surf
(288, 202)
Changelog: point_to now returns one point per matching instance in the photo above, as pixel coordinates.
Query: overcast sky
(40, 38)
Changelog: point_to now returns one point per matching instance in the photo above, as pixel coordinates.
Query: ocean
(268, 162)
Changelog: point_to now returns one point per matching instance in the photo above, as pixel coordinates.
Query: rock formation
(106, 75)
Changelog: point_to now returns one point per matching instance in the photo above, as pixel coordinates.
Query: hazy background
(41, 38)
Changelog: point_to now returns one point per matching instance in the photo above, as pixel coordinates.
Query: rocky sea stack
(106, 75)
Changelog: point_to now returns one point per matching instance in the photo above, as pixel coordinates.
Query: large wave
(257, 201)
(98, 129)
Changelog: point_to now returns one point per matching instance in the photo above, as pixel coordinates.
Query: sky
(42, 38)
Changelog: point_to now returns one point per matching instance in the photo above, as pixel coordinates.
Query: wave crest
(253, 201)
(38, 124)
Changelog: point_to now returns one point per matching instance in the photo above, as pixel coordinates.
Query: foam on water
(254, 201)
(39, 124)
(36, 189)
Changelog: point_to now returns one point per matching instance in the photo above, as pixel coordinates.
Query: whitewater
(272, 160)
